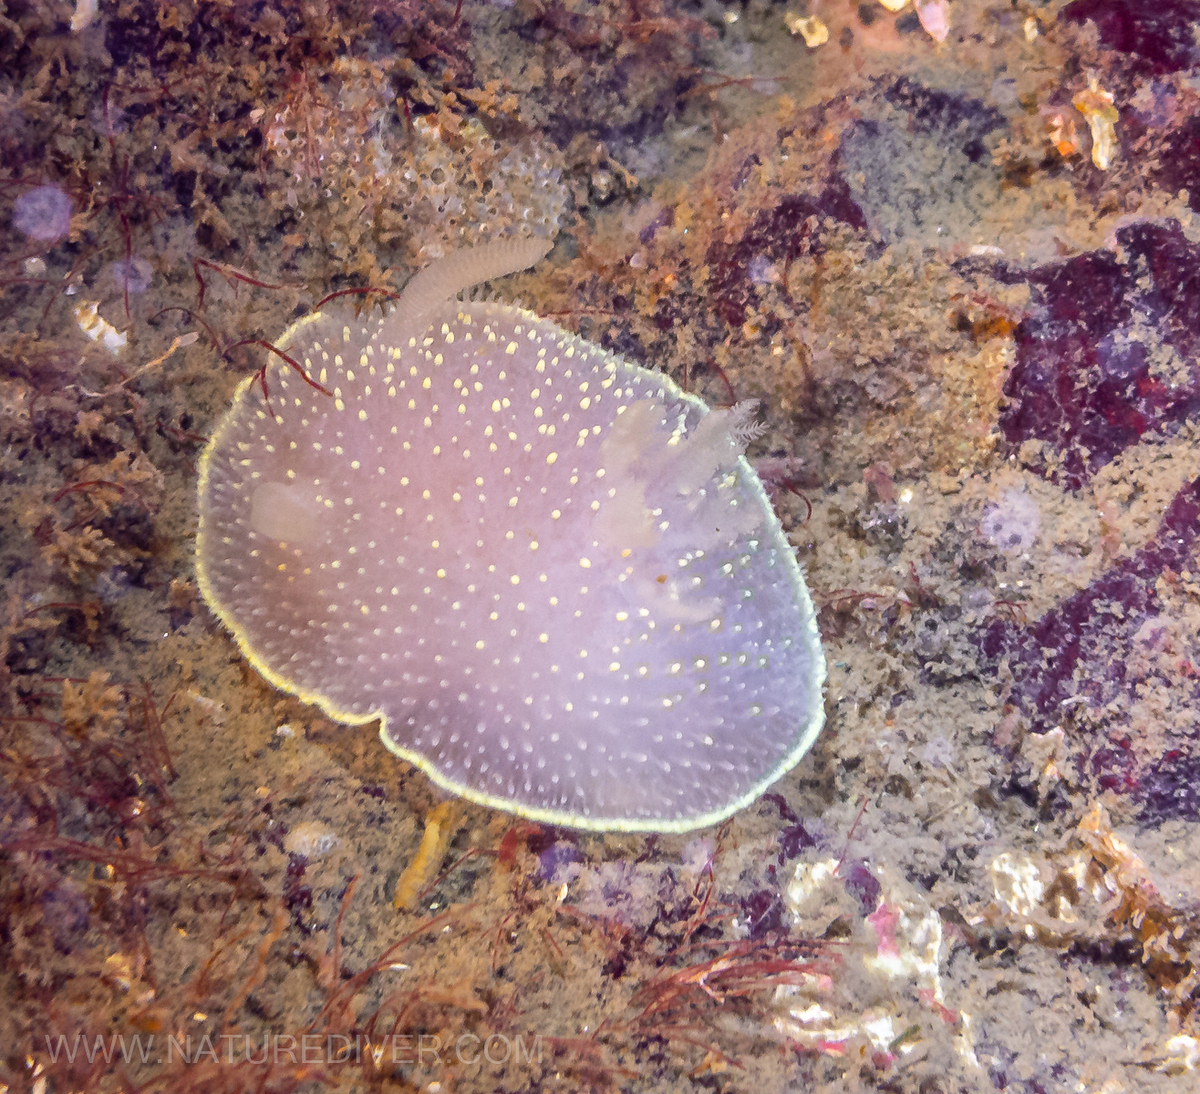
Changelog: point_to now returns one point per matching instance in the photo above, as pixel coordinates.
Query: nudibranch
(549, 574)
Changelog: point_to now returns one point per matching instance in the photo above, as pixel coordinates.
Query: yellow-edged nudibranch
(549, 573)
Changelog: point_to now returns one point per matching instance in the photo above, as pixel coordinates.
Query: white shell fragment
(549, 573)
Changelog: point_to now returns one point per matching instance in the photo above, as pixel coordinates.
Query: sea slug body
(549, 573)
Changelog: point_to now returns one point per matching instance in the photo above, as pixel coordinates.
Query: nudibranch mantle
(549, 573)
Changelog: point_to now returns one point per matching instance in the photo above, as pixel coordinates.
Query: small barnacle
(84, 15)
(1096, 105)
(1017, 883)
(809, 27)
(935, 18)
(97, 328)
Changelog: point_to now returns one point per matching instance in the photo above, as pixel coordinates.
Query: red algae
(1107, 353)
(1076, 659)
(1156, 37)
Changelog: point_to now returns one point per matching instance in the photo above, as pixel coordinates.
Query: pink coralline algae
(1109, 352)
(799, 222)
(549, 573)
(777, 235)
(1082, 655)
(43, 213)
(1155, 37)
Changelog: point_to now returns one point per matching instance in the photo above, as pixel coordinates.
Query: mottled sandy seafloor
(985, 928)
